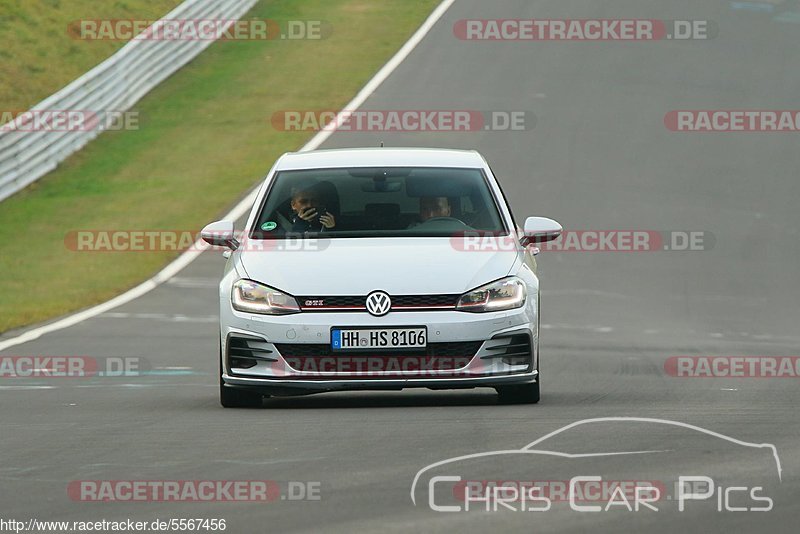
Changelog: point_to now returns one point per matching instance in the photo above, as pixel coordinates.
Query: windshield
(378, 202)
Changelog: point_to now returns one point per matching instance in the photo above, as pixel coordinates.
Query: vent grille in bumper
(513, 349)
(244, 352)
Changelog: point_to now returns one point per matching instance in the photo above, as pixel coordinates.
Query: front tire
(519, 394)
(234, 397)
(237, 398)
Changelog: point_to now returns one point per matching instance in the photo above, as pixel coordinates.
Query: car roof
(380, 157)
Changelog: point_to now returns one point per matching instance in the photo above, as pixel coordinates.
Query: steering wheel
(442, 219)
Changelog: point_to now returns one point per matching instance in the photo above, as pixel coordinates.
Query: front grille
(358, 303)
(244, 352)
(424, 301)
(455, 349)
(313, 303)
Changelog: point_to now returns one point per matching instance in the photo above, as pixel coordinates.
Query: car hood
(400, 266)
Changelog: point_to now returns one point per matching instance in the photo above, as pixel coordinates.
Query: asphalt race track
(598, 158)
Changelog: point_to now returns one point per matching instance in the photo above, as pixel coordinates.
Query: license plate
(378, 338)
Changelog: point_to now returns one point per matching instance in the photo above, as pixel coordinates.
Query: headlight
(249, 296)
(505, 294)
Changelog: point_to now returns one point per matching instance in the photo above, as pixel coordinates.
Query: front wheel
(519, 394)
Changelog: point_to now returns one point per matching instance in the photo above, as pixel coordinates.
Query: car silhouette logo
(378, 303)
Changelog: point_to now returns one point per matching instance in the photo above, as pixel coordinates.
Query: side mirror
(220, 234)
(539, 230)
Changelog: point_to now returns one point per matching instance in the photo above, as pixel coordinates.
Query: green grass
(205, 138)
(37, 55)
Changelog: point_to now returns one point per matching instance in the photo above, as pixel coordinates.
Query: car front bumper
(466, 350)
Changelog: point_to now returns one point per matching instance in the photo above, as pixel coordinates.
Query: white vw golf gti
(379, 268)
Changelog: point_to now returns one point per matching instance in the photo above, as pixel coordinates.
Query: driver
(431, 207)
(435, 214)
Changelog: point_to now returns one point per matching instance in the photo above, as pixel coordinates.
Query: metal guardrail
(116, 84)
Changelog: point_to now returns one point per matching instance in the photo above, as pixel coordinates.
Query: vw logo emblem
(378, 303)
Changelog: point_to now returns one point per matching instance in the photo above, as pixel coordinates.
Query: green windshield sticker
(269, 225)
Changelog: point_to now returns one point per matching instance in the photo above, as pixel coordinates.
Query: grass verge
(38, 57)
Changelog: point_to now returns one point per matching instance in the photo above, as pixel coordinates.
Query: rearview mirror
(220, 234)
(539, 230)
(381, 186)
